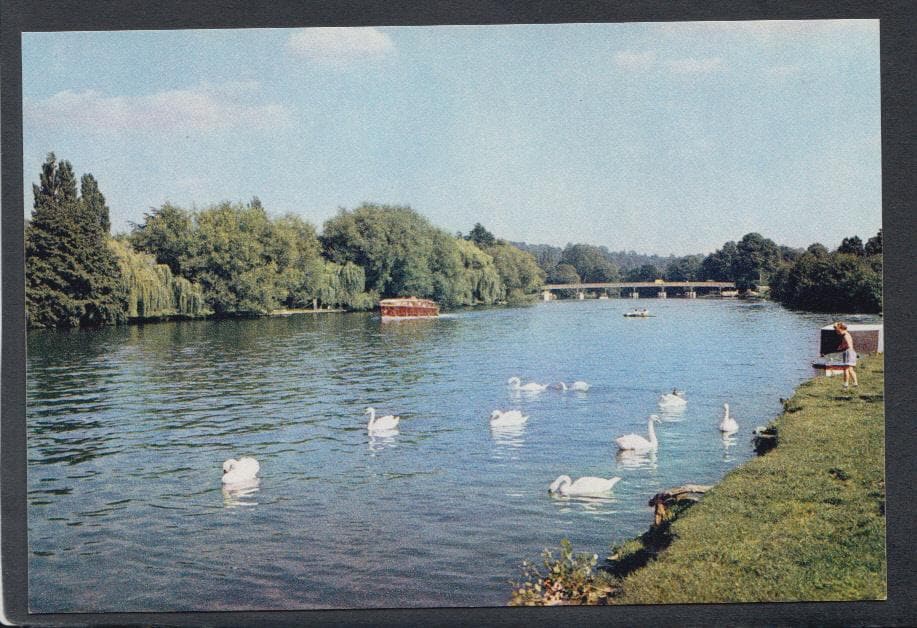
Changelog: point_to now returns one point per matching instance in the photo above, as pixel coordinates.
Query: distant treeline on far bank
(233, 259)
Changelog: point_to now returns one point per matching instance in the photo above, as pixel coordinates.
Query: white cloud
(339, 44)
(630, 60)
(690, 65)
(203, 108)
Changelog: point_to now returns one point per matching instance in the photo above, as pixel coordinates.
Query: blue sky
(661, 138)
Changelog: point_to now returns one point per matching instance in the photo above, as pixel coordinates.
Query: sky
(666, 138)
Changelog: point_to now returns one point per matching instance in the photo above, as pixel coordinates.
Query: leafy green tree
(168, 233)
(72, 277)
(817, 249)
(852, 246)
(718, 266)
(874, 244)
(564, 274)
(152, 290)
(590, 263)
(833, 282)
(481, 236)
(646, 272)
(756, 258)
(685, 268)
(518, 270)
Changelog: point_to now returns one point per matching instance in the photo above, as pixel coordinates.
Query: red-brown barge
(408, 307)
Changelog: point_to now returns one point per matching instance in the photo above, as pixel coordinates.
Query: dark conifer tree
(72, 277)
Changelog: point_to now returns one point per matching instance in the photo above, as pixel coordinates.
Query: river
(128, 428)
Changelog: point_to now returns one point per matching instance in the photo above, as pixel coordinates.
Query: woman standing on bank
(850, 355)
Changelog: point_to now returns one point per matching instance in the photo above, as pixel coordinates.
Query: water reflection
(593, 504)
(631, 459)
(239, 494)
(729, 441)
(508, 435)
(380, 439)
(671, 414)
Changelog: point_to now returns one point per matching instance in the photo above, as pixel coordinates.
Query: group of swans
(534, 387)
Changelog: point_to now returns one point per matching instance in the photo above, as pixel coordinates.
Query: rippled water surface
(128, 428)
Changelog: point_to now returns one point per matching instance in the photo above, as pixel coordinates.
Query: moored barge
(408, 307)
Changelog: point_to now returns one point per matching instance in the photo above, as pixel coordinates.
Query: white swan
(499, 418)
(673, 399)
(728, 424)
(383, 423)
(517, 384)
(584, 486)
(240, 471)
(637, 442)
(577, 386)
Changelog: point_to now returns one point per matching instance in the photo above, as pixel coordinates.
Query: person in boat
(850, 355)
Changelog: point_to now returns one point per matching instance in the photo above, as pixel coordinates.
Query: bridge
(688, 288)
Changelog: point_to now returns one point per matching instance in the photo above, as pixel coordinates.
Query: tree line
(233, 259)
(848, 279)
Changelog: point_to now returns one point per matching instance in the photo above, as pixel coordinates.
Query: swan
(240, 471)
(584, 486)
(674, 399)
(517, 384)
(577, 386)
(728, 424)
(637, 442)
(383, 423)
(499, 418)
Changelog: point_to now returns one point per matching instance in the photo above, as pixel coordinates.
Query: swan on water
(674, 399)
(637, 442)
(499, 418)
(517, 384)
(240, 471)
(728, 424)
(383, 423)
(584, 486)
(577, 386)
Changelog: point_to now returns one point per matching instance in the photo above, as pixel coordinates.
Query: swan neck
(372, 417)
(652, 431)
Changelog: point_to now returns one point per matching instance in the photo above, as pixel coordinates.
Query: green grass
(806, 521)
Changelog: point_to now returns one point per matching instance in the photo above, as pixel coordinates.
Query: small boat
(408, 307)
(638, 313)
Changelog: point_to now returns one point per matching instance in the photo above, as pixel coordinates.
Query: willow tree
(72, 277)
(519, 272)
(152, 290)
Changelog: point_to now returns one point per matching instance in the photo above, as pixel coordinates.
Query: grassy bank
(806, 521)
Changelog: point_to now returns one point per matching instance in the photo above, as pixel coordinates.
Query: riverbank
(804, 522)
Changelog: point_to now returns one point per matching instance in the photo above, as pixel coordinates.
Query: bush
(568, 580)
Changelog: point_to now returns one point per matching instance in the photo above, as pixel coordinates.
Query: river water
(128, 428)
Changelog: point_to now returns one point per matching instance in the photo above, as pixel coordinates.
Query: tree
(168, 233)
(564, 273)
(94, 201)
(685, 268)
(718, 266)
(646, 272)
(72, 277)
(852, 246)
(817, 249)
(481, 236)
(756, 257)
(590, 263)
(518, 270)
(874, 244)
